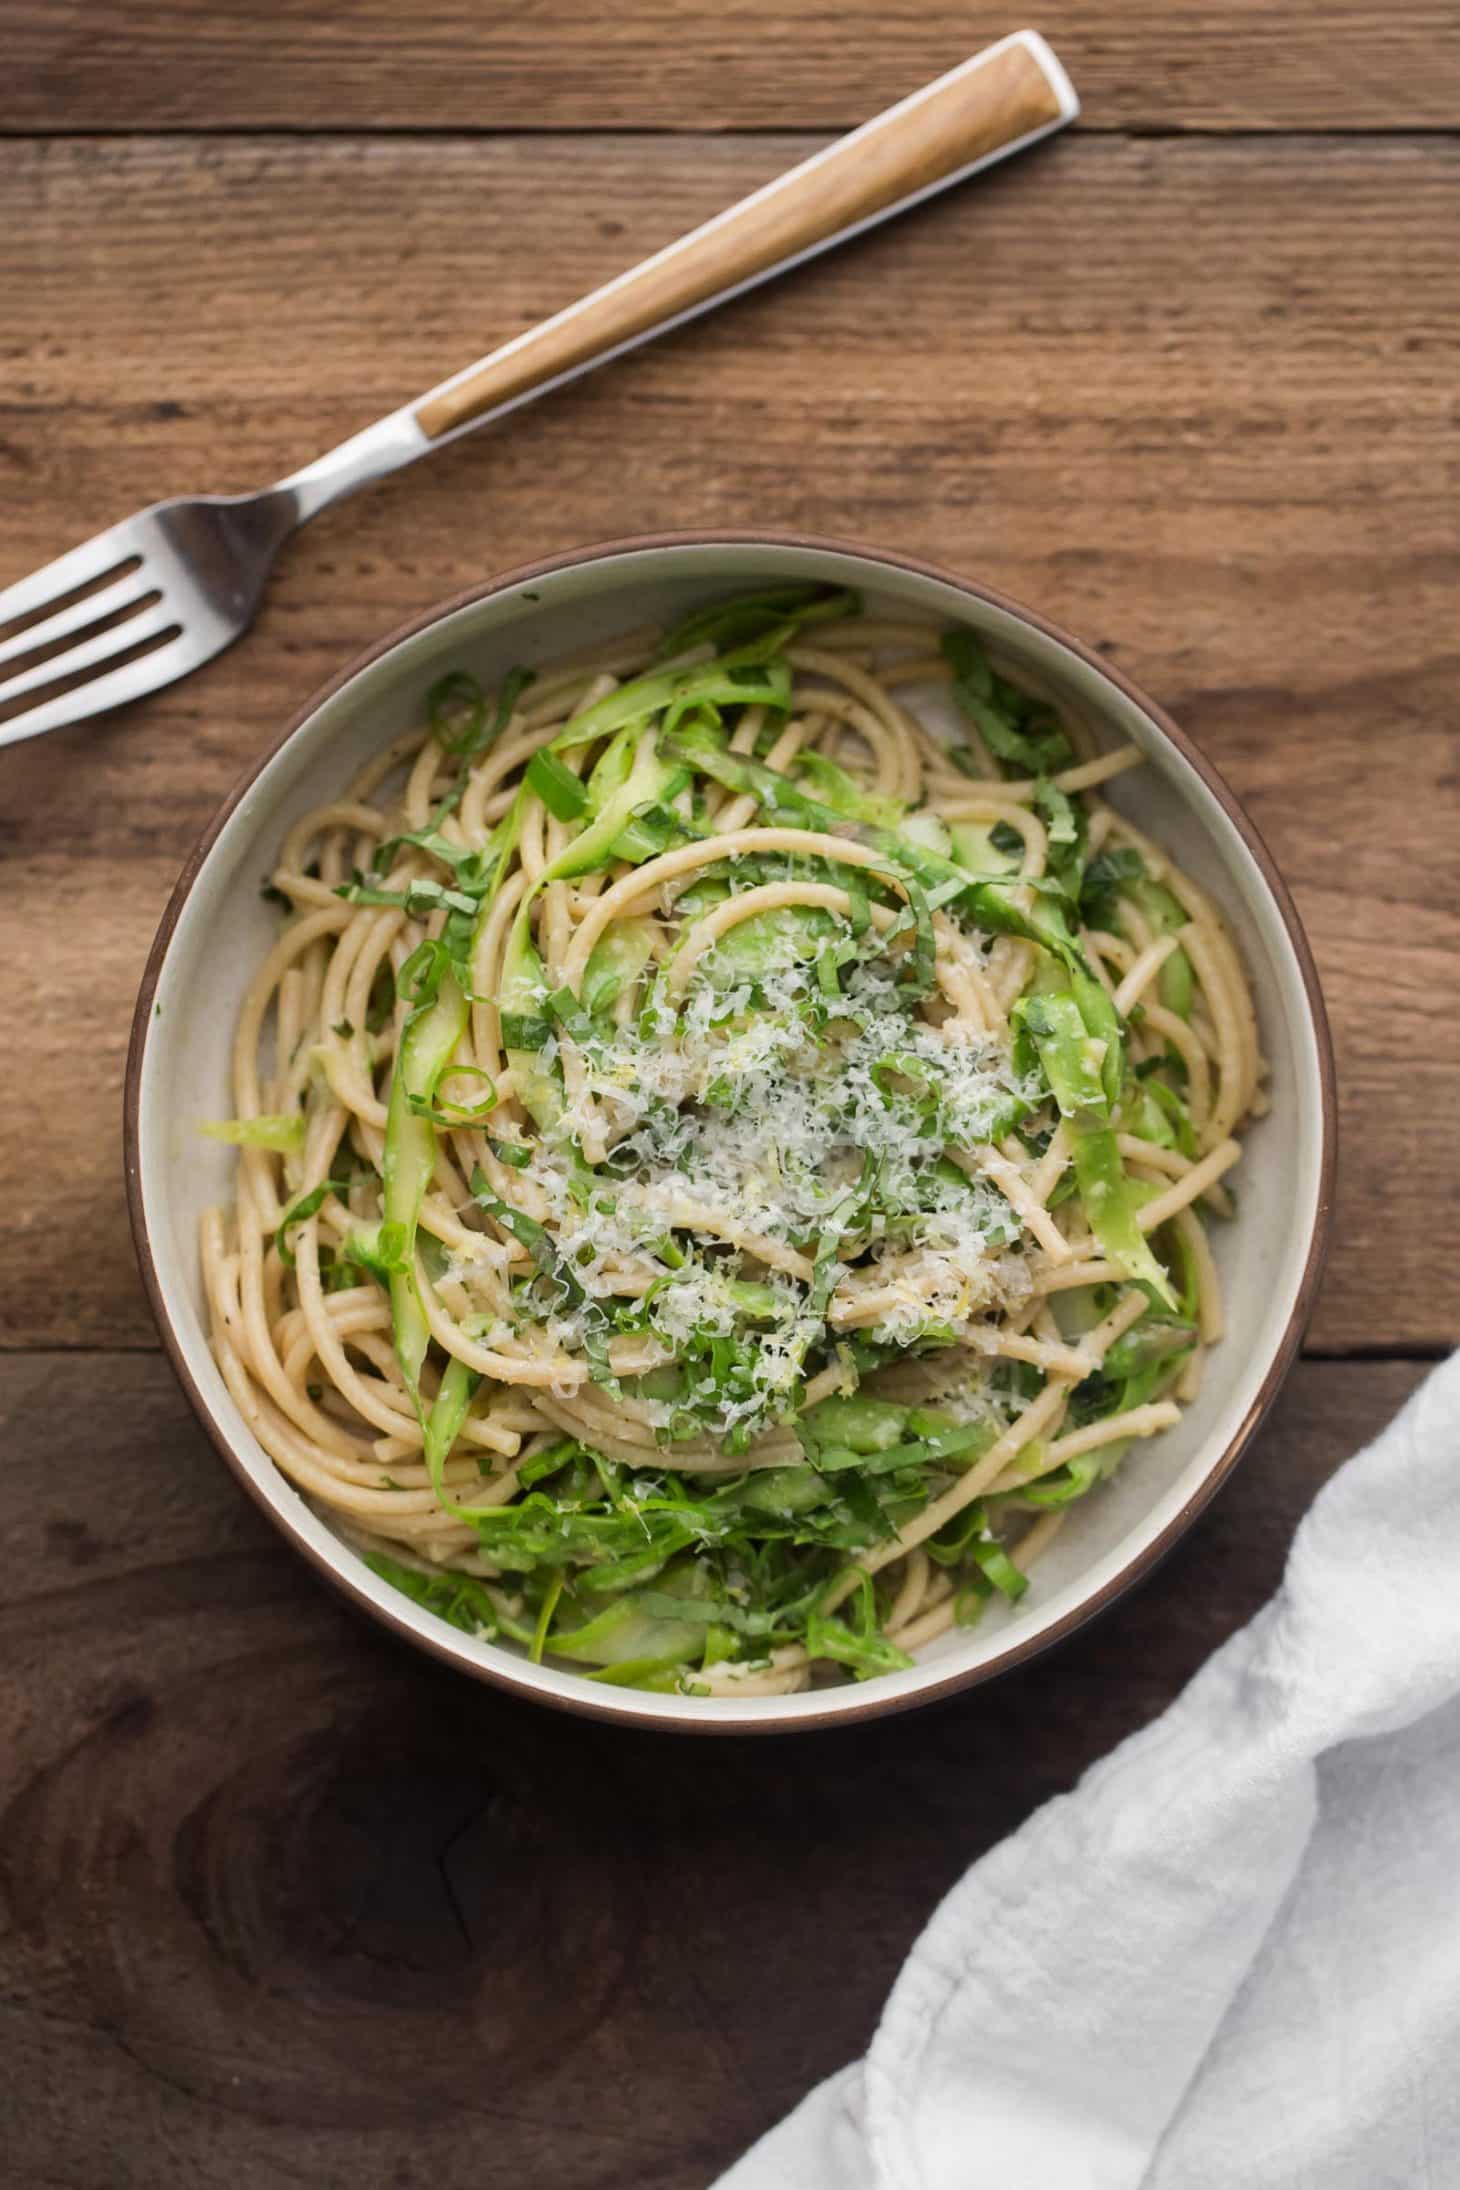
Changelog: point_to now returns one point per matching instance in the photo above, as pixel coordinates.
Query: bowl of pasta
(763, 1147)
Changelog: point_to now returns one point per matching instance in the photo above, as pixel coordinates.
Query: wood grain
(1193, 398)
(235, 64)
(282, 1903)
(286, 1903)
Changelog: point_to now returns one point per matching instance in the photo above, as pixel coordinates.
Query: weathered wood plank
(655, 64)
(1193, 397)
(286, 1903)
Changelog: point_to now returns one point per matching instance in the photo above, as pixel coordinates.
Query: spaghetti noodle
(721, 1168)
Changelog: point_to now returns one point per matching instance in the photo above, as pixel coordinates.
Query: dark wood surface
(656, 64)
(282, 1904)
(288, 1904)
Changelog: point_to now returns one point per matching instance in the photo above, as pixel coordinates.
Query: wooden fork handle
(1002, 99)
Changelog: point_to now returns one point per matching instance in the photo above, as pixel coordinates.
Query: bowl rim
(596, 1704)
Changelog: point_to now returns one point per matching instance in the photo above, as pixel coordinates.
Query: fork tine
(133, 682)
(118, 640)
(126, 593)
(93, 559)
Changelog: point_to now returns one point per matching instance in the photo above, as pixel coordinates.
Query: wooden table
(283, 1903)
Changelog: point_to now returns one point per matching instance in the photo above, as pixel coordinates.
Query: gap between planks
(656, 132)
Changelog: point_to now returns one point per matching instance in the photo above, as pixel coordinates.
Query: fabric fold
(1082, 1994)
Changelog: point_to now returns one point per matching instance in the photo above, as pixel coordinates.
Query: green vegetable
(556, 785)
(856, 1642)
(769, 617)
(784, 1491)
(545, 1613)
(460, 1599)
(617, 962)
(1164, 914)
(443, 1423)
(513, 1153)
(284, 1135)
(976, 847)
(531, 1235)
(740, 679)
(1104, 878)
(769, 941)
(843, 794)
(861, 1424)
(1169, 1104)
(1060, 815)
(525, 1029)
(1062, 1486)
(304, 1206)
(1154, 1340)
(998, 1568)
(451, 1111)
(456, 707)
(1017, 729)
(991, 901)
(1069, 1057)
(1111, 1203)
(431, 1034)
(928, 833)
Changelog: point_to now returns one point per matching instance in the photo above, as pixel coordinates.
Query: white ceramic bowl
(216, 930)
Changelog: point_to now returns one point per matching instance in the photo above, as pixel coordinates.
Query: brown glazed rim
(597, 1705)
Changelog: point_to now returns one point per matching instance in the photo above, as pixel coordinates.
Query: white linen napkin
(1232, 1955)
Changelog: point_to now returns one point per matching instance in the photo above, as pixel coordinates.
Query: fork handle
(1002, 99)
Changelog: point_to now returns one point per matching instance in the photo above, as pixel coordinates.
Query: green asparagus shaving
(1063, 1485)
(1111, 1203)
(857, 1642)
(1069, 1056)
(1153, 1110)
(769, 617)
(1104, 878)
(844, 795)
(1164, 912)
(431, 1034)
(617, 963)
(556, 785)
(741, 679)
(1061, 815)
(459, 1599)
(282, 1134)
(443, 1423)
(456, 706)
(1018, 730)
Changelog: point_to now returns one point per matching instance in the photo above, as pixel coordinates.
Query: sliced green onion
(512, 1153)
(304, 1206)
(999, 1568)
(449, 1111)
(456, 707)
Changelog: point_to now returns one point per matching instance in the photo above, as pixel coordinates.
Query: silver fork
(162, 592)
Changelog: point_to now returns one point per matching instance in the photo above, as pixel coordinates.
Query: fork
(159, 594)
